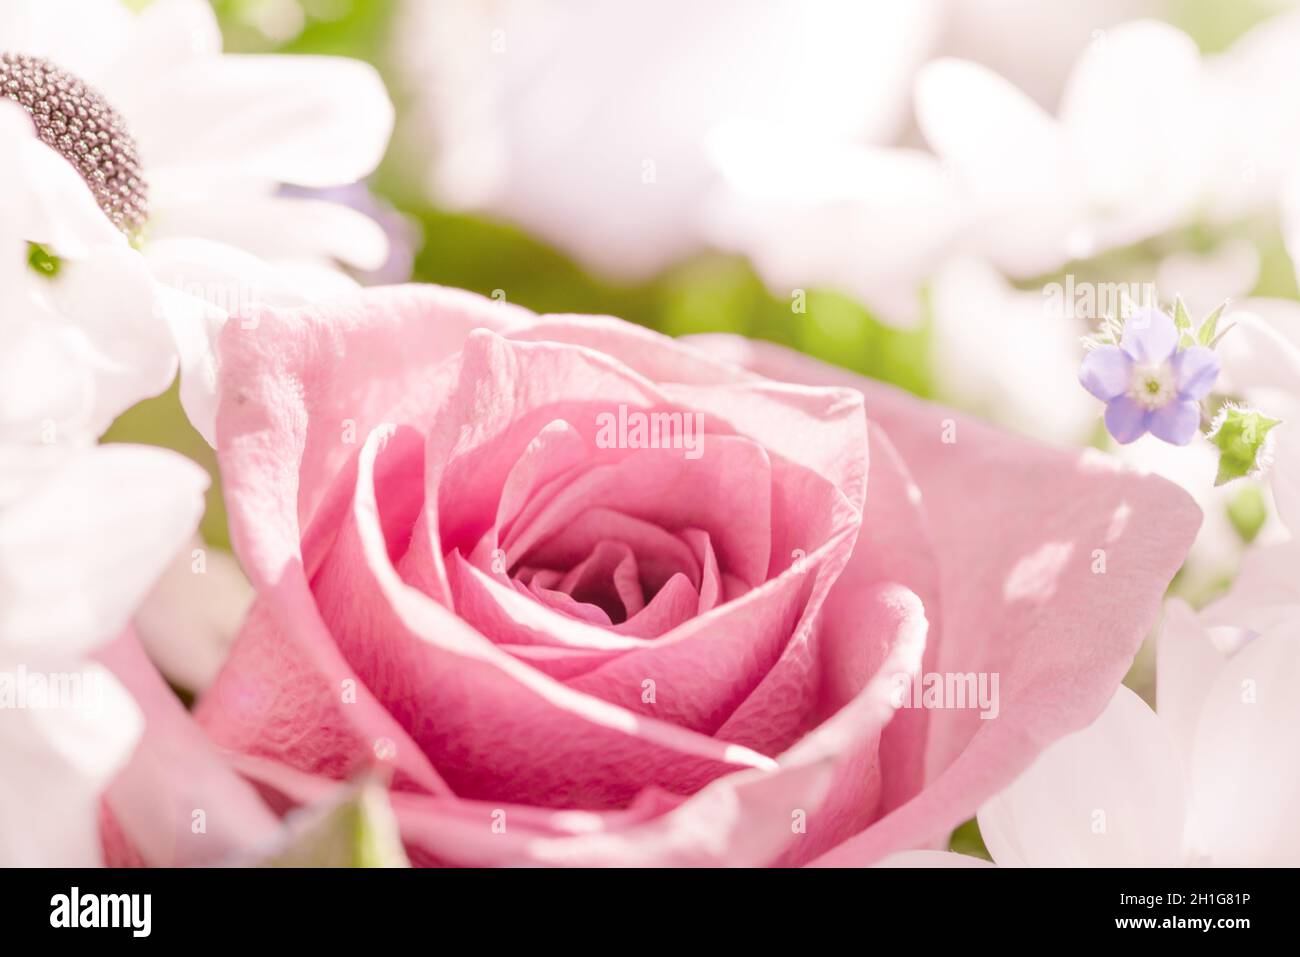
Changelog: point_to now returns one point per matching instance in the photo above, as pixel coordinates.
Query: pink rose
(571, 648)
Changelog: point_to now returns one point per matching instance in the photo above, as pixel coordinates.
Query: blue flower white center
(75, 121)
(1152, 386)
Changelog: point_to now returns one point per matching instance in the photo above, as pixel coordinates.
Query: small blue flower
(1148, 383)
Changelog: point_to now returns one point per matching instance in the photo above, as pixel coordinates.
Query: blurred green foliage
(707, 294)
(1215, 24)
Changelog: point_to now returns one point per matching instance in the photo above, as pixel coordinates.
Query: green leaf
(41, 260)
(1205, 334)
(1182, 321)
(357, 830)
(966, 839)
(1239, 435)
(1219, 338)
(1247, 512)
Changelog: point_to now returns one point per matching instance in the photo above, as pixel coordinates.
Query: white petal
(47, 387)
(26, 467)
(48, 201)
(308, 120)
(1031, 43)
(280, 227)
(1110, 795)
(57, 763)
(868, 221)
(195, 326)
(1023, 181)
(315, 282)
(1133, 111)
(1285, 476)
(227, 277)
(109, 296)
(1263, 349)
(46, 28)
(1259, 132)
(91, 327)
(207, 282)
(1245, 764)
(164, 36)
(1266, 592)
(1187, 663)
(189, 621)
(79, 553)
(108, 299)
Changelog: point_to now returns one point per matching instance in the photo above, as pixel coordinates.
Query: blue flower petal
(1125, 419)
(1106, 372)
(1150, 337)
(1195, 369)
(1176, 422)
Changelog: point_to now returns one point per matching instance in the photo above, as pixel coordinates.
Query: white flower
(81, 341)
(589, 123)
(1006, 181)
(1148, 137)
(1126, 157)
(185, 149)
(84, 533)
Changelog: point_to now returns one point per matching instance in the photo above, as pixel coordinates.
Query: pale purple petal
(1195, 370)
(1126, 420)
(1149, 336)
(1176, 422)
(1106, 372)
